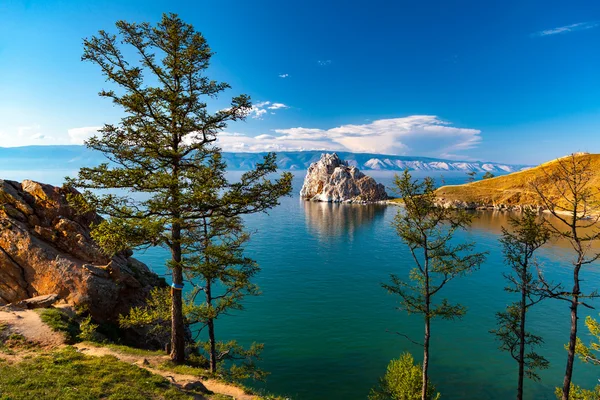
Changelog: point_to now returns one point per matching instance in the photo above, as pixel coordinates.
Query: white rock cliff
(332, 180)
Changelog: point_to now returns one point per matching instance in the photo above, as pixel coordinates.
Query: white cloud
(284, 75)
(277, 106)
(80, 135)
(415, 135)
(323, 62)
(567, 28)
(25, 136)
(259, 109)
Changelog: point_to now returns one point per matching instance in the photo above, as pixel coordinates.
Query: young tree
(528, 234)
(488, 175)
(591, 353)
(566, 191)
(223, 274)
(402, 381)
(162, 153)
(428, 230)
(471, 176)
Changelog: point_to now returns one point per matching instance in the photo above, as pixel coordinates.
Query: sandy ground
(29, 324)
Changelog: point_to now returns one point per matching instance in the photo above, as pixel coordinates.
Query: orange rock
(46, 248)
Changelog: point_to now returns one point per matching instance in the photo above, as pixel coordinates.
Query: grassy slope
(512, 189)
(67, 374)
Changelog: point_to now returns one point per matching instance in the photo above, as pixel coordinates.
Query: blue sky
(507, 81)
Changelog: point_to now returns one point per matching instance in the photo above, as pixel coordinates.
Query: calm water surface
(328, 326)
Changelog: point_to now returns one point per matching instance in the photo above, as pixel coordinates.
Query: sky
(505, 81)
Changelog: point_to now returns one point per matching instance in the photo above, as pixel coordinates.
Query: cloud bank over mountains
(418, 134)
(424, 135)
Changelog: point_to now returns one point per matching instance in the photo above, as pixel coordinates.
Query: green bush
(87, 330)
(402, 381)
(578, 393)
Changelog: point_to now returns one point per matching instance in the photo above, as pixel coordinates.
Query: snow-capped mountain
(75, 156)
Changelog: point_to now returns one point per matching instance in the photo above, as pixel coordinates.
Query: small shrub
(402, 381)
(87, 330)
(577, 393)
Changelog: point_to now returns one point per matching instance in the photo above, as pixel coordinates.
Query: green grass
(183, 369)
(134, 351)
(58, 321)
(67, 374)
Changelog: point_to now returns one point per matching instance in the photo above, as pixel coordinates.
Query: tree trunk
(211, 332)
(523, 311)
(572, 338)
(425, 359)
(177, 325)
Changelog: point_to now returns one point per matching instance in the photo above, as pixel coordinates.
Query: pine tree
(567, 192)
(428, 230)
(519, 245)
(222, 274)
(162, 156)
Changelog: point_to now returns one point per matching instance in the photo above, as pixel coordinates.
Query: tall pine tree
(162, 154)
(428, 229)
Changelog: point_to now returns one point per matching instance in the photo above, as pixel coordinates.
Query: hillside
(55, 157)
(513, 189)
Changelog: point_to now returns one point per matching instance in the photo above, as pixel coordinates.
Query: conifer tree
(567, 191)
(519, 245)
(428, 229)
(222, 276)
(162, 157)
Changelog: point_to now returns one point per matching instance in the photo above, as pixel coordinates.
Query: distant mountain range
(60, 157)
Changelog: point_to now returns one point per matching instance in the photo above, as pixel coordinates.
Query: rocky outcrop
(471, 205)
(332, 180)
(46, 248)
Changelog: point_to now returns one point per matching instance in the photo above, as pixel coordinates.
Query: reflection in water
(493, 221)
(335, 219)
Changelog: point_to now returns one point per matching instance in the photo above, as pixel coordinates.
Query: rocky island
(331, 179)
(46, 249)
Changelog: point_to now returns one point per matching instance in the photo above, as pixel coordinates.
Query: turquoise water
(328, 326)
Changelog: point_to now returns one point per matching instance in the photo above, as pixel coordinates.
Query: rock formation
(46, 248)
(331, 179)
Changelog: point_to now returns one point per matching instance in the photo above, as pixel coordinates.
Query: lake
(329, 328)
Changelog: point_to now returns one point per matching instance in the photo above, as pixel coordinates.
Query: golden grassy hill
(515, 189)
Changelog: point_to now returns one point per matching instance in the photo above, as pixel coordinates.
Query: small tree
(519, 245)
(222, 273)
(566, 191)
(488, 175)
(428, 230)
(162, 154)
(402, 381)
(591, 353)
(471, 176)
(588, 354)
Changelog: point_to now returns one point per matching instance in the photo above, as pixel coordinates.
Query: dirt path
(29, 324)
(179, 380)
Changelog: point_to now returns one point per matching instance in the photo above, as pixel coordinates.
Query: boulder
(332, 180)
(46, 248)
(43, 301)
